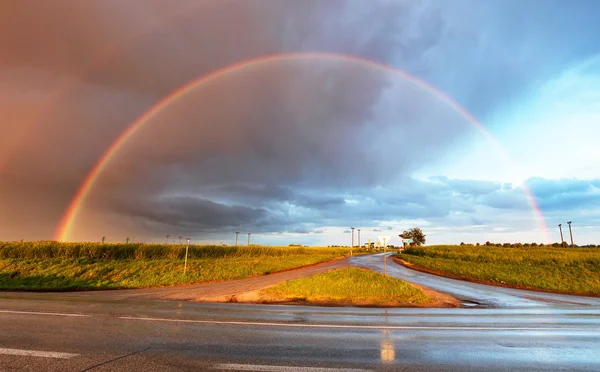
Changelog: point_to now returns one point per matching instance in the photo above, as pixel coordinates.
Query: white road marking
(41, 313)
(344, 326)
(250, 367)
(34, 353)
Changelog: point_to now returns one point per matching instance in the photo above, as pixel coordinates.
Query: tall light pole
(167, 236)
(249, 238)
(351, 247)
(571, 233)
(358, 238)
(562, 240)
(236, 237)
(180, 239)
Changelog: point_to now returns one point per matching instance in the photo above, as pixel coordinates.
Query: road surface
(78, 332)
(474, 293)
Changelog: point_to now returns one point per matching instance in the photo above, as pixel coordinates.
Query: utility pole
(167, 236)
(249, 238)
(352, 241)
(236, 237)
(561, 234)
(571, 233)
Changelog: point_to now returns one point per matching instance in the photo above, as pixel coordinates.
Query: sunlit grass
(572, 270)
(70, 266)
(349, 286)
(52, 249)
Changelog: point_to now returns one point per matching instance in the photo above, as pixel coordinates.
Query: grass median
(566, 270)
(52, 266)
(349, 286)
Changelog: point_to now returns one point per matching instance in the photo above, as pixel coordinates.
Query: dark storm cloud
(193, 214)
(319, 201)
(105, 63)
(189, 216)
(286, 148)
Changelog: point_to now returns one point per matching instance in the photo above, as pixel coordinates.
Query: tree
(417, 236)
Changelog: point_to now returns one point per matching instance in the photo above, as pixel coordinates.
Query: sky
(484, 126)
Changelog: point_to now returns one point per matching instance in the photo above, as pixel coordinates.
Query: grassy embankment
(70, 266)
(568, 270)
(350, 286)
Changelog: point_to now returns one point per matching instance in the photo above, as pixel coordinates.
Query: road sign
(186, 254)
(384, 240)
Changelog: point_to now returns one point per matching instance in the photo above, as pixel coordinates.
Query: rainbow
(66, 223)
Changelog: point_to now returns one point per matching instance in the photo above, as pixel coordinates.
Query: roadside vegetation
(349, 286)
(568, 270)
(73, 266)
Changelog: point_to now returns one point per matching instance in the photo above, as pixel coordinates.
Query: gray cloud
(288, 146)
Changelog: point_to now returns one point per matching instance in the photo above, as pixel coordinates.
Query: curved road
(115, 331)
(474, 293)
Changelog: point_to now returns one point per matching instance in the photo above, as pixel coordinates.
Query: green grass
(570, 270)
(349, 286)
(52, 249)
(75, 266)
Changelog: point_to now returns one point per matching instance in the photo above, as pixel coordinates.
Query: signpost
(384, 240)
(186, 254)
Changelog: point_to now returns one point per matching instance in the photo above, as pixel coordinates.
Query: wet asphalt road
(474, 293)
(520, 330)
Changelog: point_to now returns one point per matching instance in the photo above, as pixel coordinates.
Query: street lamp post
(352, 246)
(571, 233)
(249, 238)
(236, 237)
(562, 240)
(358, 238)
(167, 236)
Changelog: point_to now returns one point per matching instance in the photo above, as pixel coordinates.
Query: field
(568, 270)
(349, 286)
(75, 266)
